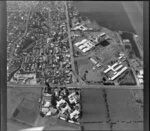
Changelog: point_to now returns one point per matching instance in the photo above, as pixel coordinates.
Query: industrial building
(95, 62)
(117, 68)
(84, 45)
(92, 40)
(80, 27)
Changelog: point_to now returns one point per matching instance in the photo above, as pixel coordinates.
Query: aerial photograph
(75, 65)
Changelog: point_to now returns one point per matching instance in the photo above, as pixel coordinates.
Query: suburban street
(70, 42)
(81, 82)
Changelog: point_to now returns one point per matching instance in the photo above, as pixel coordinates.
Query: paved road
(134, 73)
(69, 38)
(77, 86)
(71, 45)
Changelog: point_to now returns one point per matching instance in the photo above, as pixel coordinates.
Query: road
(81, 82)
(69, 37)
(78, 86)
(70, 43)
(137, 81)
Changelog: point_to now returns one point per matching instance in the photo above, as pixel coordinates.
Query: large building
(117, 68)
(95, 62)
(84, 45)
(80, 27)
(92, 40)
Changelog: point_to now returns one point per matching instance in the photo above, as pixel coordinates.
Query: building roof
(119, 73)
(84, 45)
